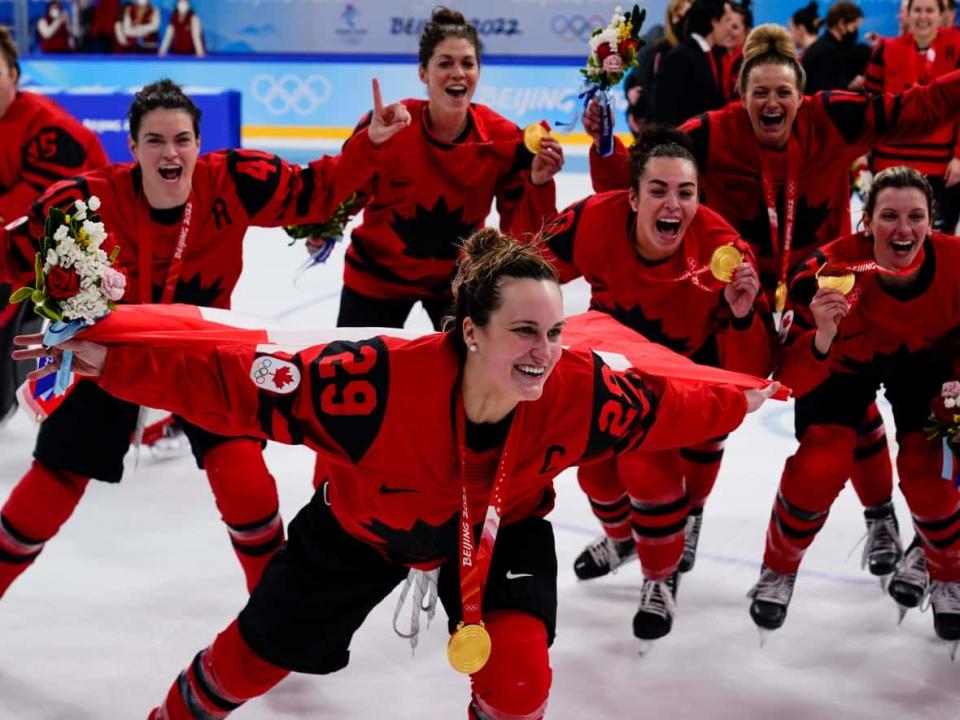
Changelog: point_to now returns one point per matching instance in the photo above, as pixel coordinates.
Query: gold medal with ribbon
(780, 298)
(533, 135)
(843, 282)
(724, 261)
(469, 648)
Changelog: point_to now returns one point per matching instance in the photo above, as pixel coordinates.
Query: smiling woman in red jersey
(873, 308)
(504, 402)
(646, 253)
(776, 167)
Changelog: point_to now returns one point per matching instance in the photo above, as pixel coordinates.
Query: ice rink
(143, 576)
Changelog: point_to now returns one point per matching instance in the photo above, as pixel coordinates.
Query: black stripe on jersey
(849, 112)
(203, 684)
(943, 542)
(800, 513)
(655, 509)
(936, 525)
(703, 457)
(308, 182)
(659, 532)
(861, 453)
(792, 532)
(906, 157)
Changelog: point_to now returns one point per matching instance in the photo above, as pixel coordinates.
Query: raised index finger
(377, 99)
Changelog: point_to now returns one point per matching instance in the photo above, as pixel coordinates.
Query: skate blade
(885, 582)
(953, 650)
(763, 636)
(644, 647)
(902, 612)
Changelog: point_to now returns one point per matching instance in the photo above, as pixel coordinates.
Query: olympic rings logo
(290, 93)
(262, 371)
(576, 27)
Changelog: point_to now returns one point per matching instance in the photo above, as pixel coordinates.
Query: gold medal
(724, 261)
(780, 298)
(841, 281)
(533, 135)
(469, 648)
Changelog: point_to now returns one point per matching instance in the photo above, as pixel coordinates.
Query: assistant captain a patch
(275, 375)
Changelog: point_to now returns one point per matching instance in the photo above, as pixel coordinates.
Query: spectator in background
(804, 25)
(106, 16)
(948, 18)
(837, 61)
(139, 28)
(184, 34)
(688, 82)
(927, 52)
(53, 30)
(737, 22)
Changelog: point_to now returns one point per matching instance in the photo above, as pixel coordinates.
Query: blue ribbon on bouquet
(318, 257)
(588, 92)
(57, 333)
(951, 468)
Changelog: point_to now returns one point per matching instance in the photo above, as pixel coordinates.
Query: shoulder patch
(275, 375)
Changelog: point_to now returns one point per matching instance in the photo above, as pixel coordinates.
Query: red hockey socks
(515, 682)
(700, 465)
(811, 480)
(219, 680)
(872, 475)
(36, 509)
(934, 503)
(608, 499)
(246, 496)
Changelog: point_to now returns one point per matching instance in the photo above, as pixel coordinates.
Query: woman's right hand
(828, 308)
(386, 121)
(591, 122)
(88, 358)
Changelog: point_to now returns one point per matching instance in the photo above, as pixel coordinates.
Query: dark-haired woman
(179, 219)
(871, 309)
(926, 52)
(776, 167)
(436, 185)
(646, 253)
(804, 25)
(505, 410)
(42, 143)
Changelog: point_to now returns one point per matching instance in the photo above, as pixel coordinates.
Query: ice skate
(771, 598)
(690, 539)
(910, 582)
(882, 549)
(658, 605)
(603, 556)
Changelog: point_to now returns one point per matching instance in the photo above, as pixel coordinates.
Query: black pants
(358, 310)
(948, 205)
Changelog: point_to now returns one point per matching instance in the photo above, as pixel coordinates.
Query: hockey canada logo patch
(275, 375)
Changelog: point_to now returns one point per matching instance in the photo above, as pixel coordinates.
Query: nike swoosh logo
(511, 575)
(386, 490)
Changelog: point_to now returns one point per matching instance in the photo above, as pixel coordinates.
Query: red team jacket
(41, 144)
(594, 238)
(386, 433)
(883, 323)
(426, 196)
(897, 65)
(832, 129)
(232, 190)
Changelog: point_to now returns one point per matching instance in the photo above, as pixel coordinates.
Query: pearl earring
(473, 347)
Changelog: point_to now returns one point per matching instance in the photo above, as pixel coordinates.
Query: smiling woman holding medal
(676, 272)
(871, 309)
(418, 463)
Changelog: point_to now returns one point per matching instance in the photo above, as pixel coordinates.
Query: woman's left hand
(742, 290)
(547, 162)
(756, 398)
(951, 175)
(88, 358)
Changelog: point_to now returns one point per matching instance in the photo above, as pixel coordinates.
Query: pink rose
(612, 64)
(113, 283)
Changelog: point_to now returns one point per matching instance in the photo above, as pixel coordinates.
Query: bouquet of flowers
(944, 424)
(613, 51)
(331, 231)
(76, 282)
(75, 277)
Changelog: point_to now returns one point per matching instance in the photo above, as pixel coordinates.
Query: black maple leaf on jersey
(435, 233)
(807, 223)
(650, 328)
(421, 543)
(193, 292)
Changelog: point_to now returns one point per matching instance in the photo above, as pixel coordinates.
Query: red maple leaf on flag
(282, 377)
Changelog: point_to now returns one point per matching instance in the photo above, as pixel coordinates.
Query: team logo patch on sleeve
(275, 375)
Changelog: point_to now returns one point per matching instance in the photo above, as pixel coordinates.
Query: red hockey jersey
(426, 196)
(387, 437)
(231, 191)
(595, 238)
(884, 323)
(42, 143)
(897, 65)
(832, 129)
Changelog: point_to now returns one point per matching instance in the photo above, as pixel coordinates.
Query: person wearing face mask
(836, 61)
(184, 34)
(871, 309)
(776, 166)
(42, 143)
(652, 272)
(53, 30)
(179, 218)
(506, 403)
(139, 28)
(926, 52)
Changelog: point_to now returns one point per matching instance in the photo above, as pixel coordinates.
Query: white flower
(61, 233)
(94, 203)
(80, 205)
(949, 402)
(96, 232)
(51, 258)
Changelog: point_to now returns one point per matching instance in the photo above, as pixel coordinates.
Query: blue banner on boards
(106, 115)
